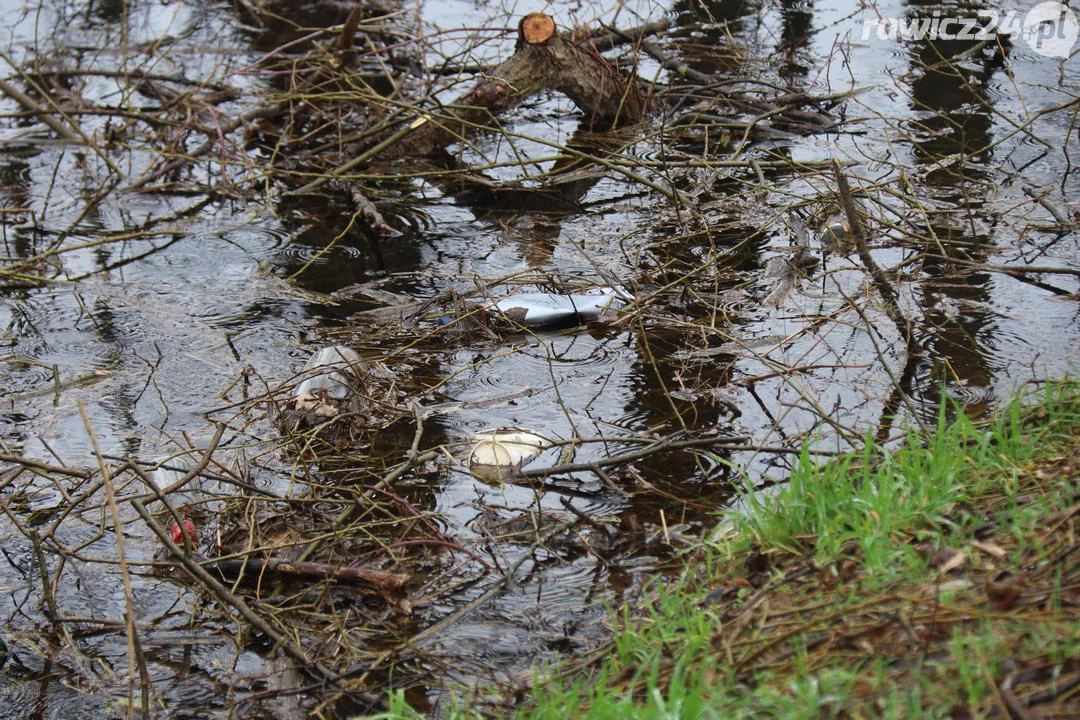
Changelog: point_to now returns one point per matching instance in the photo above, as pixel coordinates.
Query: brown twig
(83, 473)
(136, 661)
(42, 114)
(247, 569)
(225, 596)
(888, 295)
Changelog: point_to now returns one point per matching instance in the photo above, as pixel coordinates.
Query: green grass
(845, 594)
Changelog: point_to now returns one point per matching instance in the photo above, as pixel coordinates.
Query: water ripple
(298, 252)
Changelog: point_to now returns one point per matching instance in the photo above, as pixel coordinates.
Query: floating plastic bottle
(540, 309)
(334, 371)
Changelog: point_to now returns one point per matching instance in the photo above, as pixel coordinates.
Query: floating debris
(332, 373)
(340, 397)
(549, 309)
(331, 382)
(834, 233)
(835, 236)
(189, 500)
(501, 451)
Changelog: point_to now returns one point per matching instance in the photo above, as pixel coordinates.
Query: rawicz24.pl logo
(1049, 28)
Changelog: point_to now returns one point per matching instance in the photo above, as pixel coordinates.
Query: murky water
(169, 309)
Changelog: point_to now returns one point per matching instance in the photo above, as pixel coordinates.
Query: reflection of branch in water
(911, 354)
(732, 443)
(901, 394)
(149, 229)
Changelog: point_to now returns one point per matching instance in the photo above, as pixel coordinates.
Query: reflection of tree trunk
(901, 393)
(542, 60)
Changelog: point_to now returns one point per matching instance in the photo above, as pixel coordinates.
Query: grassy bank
(937, 580)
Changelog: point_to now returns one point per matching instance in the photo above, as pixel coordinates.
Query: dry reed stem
(136, 663)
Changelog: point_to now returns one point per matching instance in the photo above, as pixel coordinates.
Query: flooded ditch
(164, 284)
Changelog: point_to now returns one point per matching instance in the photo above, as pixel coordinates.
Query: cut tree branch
(542, 60)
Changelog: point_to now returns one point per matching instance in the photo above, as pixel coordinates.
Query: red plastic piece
(178, 534)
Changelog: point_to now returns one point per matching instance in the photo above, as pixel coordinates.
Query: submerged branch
(42, 114)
